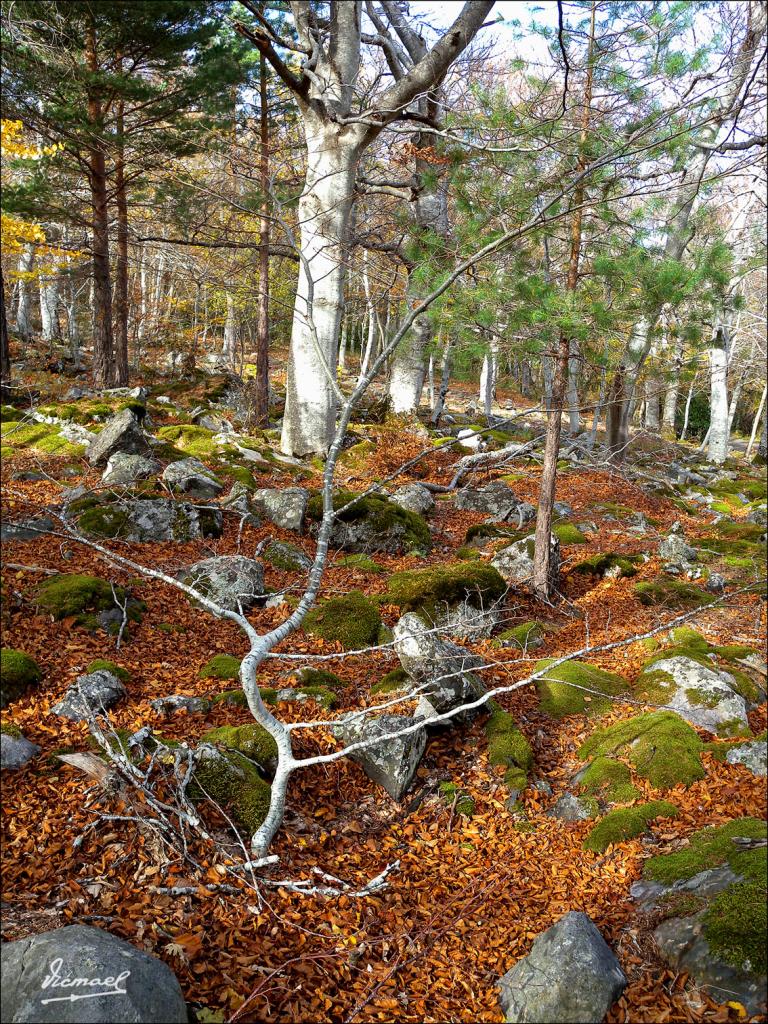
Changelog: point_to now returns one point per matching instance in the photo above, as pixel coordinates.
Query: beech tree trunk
(229, 351)
(718, 425)
(574, 411)
(5, 353)
(23, 309)
(261, 396)
(49, 302)
(756, 423)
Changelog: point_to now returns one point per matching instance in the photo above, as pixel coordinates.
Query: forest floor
(470, 894)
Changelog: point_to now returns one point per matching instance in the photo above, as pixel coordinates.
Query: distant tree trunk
(367, 351)
(49, 302)
(73, 333)
(760, 457)
(23, 322)
(103, 350)
(488, 378)
(546, 373)
(526, 380)
(686, 414)
(756, 424)
(598, 408)
(574, 411)
(345, 329)
(431, 381)
(652, 421)
(5, 353)
(261, 397)
(718, 424)
(445, 380)
(229, 351)
(670, 399)
(121, 260)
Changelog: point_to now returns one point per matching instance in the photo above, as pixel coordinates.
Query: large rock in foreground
(391, 762)
(122, 433)
(371, 523)
(231, 581)
(705, 697)
(445, 668)
(569, 977)
(86, 976)
(150, 519)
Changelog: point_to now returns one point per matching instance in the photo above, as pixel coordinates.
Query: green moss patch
(18, 671)
(661, 746)
(461, 802)
(75, 594)
(429, 591)
(41, 437)
(221, 666)
(104, 665)
(627, 823)
(560, 694)
(667, 592)
(363, 563)
(710, 848)
(235, 784)
(600, 564)
(286, 556)
(190, 440)
(352, 620)
(251, 739)
(397, 679)
(735, 926)
(567, 533)
(477, 536)
(319, 677)
(610, 780)
(508, 748)
(527, 635)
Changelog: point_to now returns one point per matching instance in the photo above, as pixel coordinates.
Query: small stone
(15, 751)
(89, 695)
(570, 808)
(414, 498)
(190, 476)
(179, 702)
(392, 762)
(715, 583)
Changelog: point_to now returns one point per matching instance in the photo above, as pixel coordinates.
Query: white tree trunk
(718, 428)
(229, 351)
(431, 381)
(23, 310)
(652, 408)
(756, 424)
(686, 416)
(324, 212)
(489, 376)
(670, 399)
(343, 345)
(49, 300)
(367, 349)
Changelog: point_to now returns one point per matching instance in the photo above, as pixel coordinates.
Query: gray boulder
(90, 693)
(562, 508)
(715, 583)
(515, 562)
(85, 975)
(674, 548)
(15, 751)
(213, 421)
(570, 977)
(705, 697)
(161, 519)
(758, 515)
(122, 433)
(124, 468)
(285, 507)
(570, 808)
(753, 755)
(289, 557)
(390, 762)
(444, 668)
(413, 498)
(180, 702)
(231, 581)
(498, 501)
(190, 476)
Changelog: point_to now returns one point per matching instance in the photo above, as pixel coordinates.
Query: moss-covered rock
(575, 687)
(18, 671)
(508, 748)
(477, 536)
(234, 784)
(352, 620)
(527, 636)
(567, 533)
(41, 437)
(429, 591)
(610, 780)
(660, 745)
(250, 739)
(105, 665)
(190, 439)
(76, 594)
(286, 556)
(627, 823)
(319, 677)
(734, 922)
(671, 593)
(372, 523)
(608, 562)
(221, 666)
(461, 802)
